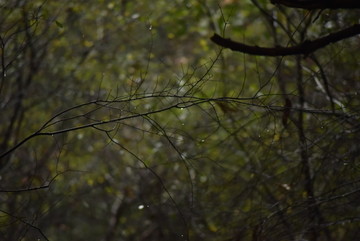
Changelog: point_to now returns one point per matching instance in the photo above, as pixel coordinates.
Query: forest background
(134, 120)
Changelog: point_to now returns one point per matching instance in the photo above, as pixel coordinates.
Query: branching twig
(183, 102)
(26, 223)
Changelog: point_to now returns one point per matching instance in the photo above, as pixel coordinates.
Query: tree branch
(318, 4)
(305, 47)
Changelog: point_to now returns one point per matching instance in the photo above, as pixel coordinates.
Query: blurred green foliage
(133, 125)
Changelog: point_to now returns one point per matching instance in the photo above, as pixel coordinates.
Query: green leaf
(60, 25)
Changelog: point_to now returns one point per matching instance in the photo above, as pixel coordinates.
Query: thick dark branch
(305, 48)
(319, 4)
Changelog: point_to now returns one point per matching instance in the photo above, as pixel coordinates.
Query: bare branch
(305, 48)
(318, 4)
